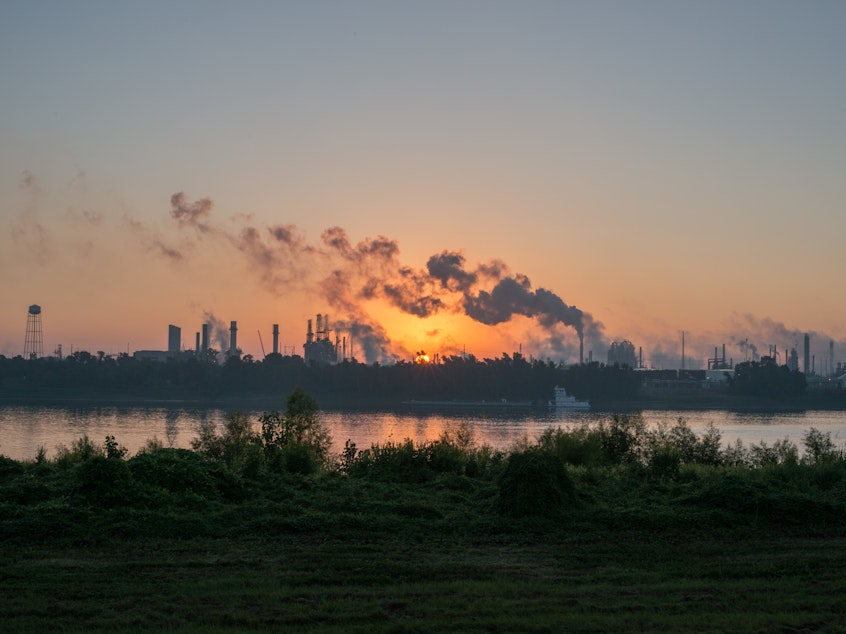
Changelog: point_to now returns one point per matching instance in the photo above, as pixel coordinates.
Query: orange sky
(662, 167)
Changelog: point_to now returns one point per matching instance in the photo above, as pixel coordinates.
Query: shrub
(443, 457)
(299, 458)
(25, 489)
(581, 446)
(300, 426)
(104, 482)
(402, 462)
(623, 439)
(534, 483)
(708, 448)
(737, 455)
(81, 450)
(113, 449)
(665, 461)
(9, 468)
(819, 448)
(232, 446)
(174, 470)
(782, 452)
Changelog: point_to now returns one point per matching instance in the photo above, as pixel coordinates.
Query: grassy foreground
(613, 583)
(606, 529)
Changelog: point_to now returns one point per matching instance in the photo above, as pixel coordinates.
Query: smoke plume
(194, 214)
(347, 274)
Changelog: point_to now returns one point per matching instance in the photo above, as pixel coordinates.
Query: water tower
(34, 343)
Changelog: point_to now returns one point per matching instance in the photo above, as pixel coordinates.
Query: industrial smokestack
(205, 338)
(581, 349)
(275, 338)
(807, 354)
(309, 333)
(197, 344)
(174, 339)
(233, 329)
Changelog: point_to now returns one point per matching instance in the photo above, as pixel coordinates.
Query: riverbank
(698, 400)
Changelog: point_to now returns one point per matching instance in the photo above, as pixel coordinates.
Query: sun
(422, 358)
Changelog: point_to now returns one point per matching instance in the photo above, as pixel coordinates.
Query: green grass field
(614, 582)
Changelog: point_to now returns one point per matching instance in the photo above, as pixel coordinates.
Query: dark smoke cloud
(347, 274)
(514, 296)
(169, 252)
(194, 214)
(447, 267)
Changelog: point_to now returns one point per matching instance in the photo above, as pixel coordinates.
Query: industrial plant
(326, 346)
(319, 347)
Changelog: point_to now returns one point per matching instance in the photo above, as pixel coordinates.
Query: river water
(24, 429)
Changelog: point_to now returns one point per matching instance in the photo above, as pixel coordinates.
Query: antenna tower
(34, 342)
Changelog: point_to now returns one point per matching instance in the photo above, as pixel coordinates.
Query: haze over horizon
(486, 176)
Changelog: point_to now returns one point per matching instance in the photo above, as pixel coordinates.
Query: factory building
(622, 353)
(319, 347)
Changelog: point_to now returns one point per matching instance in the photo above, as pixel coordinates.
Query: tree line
(509, 377)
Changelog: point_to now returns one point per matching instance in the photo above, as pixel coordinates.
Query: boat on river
(565, 403)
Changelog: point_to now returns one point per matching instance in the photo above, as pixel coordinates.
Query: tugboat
(563, 402)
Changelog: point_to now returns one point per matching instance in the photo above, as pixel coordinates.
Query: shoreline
(824, 401)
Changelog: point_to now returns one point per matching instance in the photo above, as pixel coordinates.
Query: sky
(466, 176)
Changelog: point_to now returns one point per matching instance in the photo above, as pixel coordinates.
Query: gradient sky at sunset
(662, 166)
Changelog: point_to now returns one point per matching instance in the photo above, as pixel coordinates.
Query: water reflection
(171, 428)
(24, 429)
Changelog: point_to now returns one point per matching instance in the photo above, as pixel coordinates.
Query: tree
(298, 439)
(767, 379)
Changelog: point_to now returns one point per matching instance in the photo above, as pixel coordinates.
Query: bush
(81, 450)
(174, 470)
(9, 468)
(104, 482)
(783, 452)
(298, 437)
(402, 462)
(623, 439)
(819, 448)
(665, 461)
(298, 458)
(230, 447)
(444, 457)
(534, 483)
(581, 446)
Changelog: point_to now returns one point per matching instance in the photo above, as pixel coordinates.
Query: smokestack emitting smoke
(354, 273)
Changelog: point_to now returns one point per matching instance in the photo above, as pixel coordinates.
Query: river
(25, 429)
